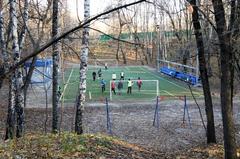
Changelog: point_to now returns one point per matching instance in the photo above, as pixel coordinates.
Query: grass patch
(71, 145)
(167, 85)
(64, 145)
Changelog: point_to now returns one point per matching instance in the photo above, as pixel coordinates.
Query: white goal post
(135, 82)
(101, 62)
(191, 69)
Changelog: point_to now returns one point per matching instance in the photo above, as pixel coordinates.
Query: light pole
(158, 46)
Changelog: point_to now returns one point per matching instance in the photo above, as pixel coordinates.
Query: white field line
(168, 93)
(65, 86)
(67, 99)
(117, 95)
(98, 90)
(166, 80)
(134, 92)
(197, 93)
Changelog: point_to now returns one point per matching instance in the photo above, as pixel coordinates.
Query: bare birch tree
(11, 109)
(1, 40)
(15, 83)
(13, 77)
(55, 57)
(19, 78)
(83, 71)
(4, 55)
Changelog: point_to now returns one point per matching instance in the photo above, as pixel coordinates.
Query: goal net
(149, 90)
(186, 73)
(42, 73)
(102, 62)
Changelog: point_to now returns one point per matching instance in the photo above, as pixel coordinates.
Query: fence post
(156, 114)
(186, 109)
(110, 91)
(108, 118)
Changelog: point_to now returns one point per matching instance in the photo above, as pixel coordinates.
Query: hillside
(69, 145)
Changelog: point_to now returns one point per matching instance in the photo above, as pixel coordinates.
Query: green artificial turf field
(168, 87)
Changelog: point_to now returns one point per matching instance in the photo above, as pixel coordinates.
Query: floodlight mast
(157, 30)
(197, 66)
(158, 47)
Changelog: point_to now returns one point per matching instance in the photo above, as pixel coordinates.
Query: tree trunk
(83, 71)
(25, 21)
(11, 96)
(11, 111)
(3, 55)
(28, 79)
(136, 48)
(119, 35)
(55, 57)
(15, 82)
(19, 92)
(231, 29)
(226, 102)
(226, 57)
(79, 116)
(18, 72)
(135, 27)
(46, 107)
(118, 46)
(124, 56)
(136, 40)
(211, 137)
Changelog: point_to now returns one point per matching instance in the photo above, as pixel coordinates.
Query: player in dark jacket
(94, 75)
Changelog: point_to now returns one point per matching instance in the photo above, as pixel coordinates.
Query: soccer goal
(42, 74)
(183, 72)
(149, 90)
(103, 62)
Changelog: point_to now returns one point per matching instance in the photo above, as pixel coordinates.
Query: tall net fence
(103, 62)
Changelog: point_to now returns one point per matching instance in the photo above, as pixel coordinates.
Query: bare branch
(118, 39)
(38, 51)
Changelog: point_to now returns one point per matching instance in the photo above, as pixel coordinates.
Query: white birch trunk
(21, 41)
(55, 57)
(15, 82)
(11, 96)
(4, 57)
(25, 23)
(18, 73)
(83, 71)
(19, 92)
(10, 123)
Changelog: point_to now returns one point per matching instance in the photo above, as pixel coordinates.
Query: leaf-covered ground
(87, 146)
(70, 145)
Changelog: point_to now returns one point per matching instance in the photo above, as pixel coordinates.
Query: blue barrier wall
(180, 75)
(42, 72)
(39, 63)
